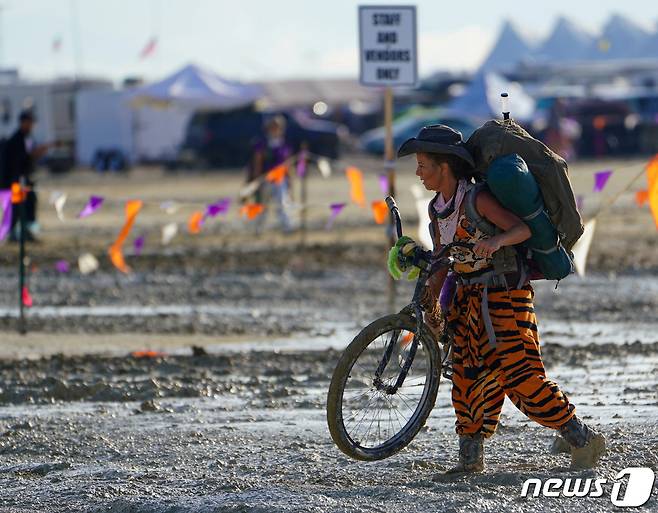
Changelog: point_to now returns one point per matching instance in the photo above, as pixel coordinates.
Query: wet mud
(246, 431)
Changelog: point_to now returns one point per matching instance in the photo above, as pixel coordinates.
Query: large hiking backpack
(510, 181)
(497, 138)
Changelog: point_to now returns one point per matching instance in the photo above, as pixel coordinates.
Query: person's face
(26, 126)
(432, 175)
(275, 131)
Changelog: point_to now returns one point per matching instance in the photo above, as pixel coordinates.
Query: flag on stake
(252, 210)
(336, 208)
(169, 231)
(601, 179)
(16, 194)
(652, 182)
(383, 184)
(424, 237)
(355, 177)
(301, 163)
(92, 206)
(220, 207)
(87, 263)
(27, 298)
(59, 203)
(5, 213)
(138, 244)
(116, 255)
(379, 211)
(641, 197)
(62, 266)
(324, 167)
(581, 248)
(277, 174)
(194, 222)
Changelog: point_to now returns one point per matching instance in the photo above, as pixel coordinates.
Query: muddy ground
(84, 426)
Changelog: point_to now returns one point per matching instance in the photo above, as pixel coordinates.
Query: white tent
(194, 87)
(482, 98)
(149, 123)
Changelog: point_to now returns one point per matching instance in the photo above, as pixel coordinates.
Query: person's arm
(514, 229)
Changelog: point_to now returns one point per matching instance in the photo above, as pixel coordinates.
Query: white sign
(387, 45)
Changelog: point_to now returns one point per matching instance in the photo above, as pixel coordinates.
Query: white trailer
(53, 104)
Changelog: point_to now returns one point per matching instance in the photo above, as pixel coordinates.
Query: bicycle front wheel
(367, 420)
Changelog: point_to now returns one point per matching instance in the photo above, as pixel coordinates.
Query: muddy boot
(587, 446)
(560, 446)
(471, 454)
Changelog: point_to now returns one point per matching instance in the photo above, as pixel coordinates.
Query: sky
(262, 39)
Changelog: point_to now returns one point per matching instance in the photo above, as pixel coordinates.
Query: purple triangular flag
(138, 244)
(383, 184)
(5, 212)
(220, 207)
(92, 206)
(301, 164)
(600, 179)
(62, 266)
(336, 208)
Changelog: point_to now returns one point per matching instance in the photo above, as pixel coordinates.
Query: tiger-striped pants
(484, 372)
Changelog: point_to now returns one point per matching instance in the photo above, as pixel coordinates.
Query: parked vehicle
(225, 139)
(373, 141)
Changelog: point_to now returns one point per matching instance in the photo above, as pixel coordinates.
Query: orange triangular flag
(652, 187)
(252, 210)
(277, 174)
(116, 256)
(379, 211)
(194, 223)
(132, 209)
(16, 194)
(641, 197)
(355, 177)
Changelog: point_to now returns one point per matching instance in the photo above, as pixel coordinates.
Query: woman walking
(496, 343)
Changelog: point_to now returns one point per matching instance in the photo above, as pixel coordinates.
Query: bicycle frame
(422, 260)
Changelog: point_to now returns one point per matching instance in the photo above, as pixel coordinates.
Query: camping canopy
(196, 88)
(482, 98)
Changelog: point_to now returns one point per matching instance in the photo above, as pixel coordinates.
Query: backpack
(511, 183)
(503, 137)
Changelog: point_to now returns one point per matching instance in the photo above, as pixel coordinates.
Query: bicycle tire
(342, 372)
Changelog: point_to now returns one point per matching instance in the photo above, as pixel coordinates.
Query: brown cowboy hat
(437, 139)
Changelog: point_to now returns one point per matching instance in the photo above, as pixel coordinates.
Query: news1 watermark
(639, 485)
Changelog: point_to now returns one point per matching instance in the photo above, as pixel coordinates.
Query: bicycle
(384, 374)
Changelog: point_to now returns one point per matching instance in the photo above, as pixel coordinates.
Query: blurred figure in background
(270, 151)
(19, 159)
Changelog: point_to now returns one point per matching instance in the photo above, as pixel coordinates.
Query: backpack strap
(473, 215)
(505, 260)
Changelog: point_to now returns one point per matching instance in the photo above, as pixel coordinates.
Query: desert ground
(227, 413)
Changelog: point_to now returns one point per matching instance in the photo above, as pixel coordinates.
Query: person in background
(20, 156)
(270, 151)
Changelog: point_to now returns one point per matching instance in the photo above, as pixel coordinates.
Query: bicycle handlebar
(393, 207)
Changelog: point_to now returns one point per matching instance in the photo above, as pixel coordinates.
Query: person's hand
(485, 248)
(400, 256)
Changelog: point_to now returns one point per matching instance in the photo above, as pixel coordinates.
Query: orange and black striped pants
(486, 370)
